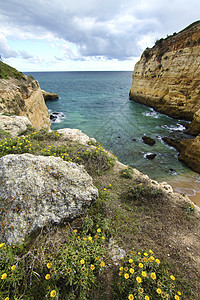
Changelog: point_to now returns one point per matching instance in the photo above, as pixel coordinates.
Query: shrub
(127, 172)
(55, 269)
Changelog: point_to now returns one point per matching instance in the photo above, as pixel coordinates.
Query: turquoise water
(98, 104)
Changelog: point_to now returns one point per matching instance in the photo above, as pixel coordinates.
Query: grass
(6, 72)
(74, 261)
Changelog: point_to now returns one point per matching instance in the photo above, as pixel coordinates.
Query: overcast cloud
(91, 29)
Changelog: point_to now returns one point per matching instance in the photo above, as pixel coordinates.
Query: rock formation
(49, 96)
(22, 96)
(167, 77)
(14, 124)
(38, 191)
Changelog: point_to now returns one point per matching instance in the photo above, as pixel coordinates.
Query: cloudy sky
(67, 35)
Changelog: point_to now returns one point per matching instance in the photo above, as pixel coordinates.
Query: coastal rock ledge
(38, 191)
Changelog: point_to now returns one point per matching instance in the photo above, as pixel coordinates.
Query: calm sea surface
(98, 104)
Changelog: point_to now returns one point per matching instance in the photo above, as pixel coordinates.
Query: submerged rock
(151, 156)
(37, 191)
(148, 140)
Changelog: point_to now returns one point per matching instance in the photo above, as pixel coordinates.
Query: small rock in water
(148, 140)
(151, 156)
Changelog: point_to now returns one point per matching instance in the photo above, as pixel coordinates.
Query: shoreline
(186, 185)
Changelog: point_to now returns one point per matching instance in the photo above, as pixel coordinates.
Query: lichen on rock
(37, 191)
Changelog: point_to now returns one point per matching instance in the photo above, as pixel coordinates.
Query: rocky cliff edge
(22, 96)
(167, 78)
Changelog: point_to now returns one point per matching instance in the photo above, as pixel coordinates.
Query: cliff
(167, 77)
(22, 96)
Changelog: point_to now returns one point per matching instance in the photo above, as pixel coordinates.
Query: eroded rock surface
(37, 191)
(167, 77)
(14, 124)
(24, 97)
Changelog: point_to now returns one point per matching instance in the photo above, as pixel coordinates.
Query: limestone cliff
(21, 95)
(167, 77)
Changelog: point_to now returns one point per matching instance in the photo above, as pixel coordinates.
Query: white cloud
(5, 50)
(112, 29)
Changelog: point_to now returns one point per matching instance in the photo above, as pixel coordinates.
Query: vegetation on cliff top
(75, 260)
(7, 71)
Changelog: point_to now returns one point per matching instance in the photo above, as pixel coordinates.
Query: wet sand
(188, 184)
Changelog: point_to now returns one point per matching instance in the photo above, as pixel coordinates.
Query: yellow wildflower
(53, 294)
(126, 275)
(179, 293)
(176, 297)
(130, 297)
(13, 267)
(140, 265)
(92, 267)
(172, 277)
(121, 268)
(98, 230)
(102, 264)
(131, 270)
(146, 297)
(7, 298)
(3, 276)
(145, 254)
(153, 276)
(159, 291)
(144, 274)
(89, 238)
(47, 277)
(2, 244)
(150, 251)
(130, 261)
(157, 261)
(140, 290)
(49, 265)
(82, 261)
(139, 279)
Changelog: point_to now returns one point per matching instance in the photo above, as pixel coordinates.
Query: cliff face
(22, 96)
(167, 77)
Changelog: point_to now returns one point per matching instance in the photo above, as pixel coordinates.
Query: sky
(89, 35)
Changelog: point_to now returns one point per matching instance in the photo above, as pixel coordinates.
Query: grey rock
(14, 124)
(37, 191)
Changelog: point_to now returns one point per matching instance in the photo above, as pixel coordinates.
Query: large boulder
(37, 191)
(75, 135)
(14, 124)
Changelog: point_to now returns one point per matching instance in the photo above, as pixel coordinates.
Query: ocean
(98, 104)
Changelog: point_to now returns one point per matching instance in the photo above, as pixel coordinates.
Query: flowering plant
(141, 277)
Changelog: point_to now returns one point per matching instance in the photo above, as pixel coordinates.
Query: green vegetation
(142, 276)
(75, 260)
(6, 71)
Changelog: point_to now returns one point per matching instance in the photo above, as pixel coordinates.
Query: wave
(56, 117)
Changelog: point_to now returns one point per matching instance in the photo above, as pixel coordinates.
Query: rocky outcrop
(14, 124)
(167, 77)
(49, 96)
(190, 153)
(38, 191)
(75, 135)
(24, 97)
